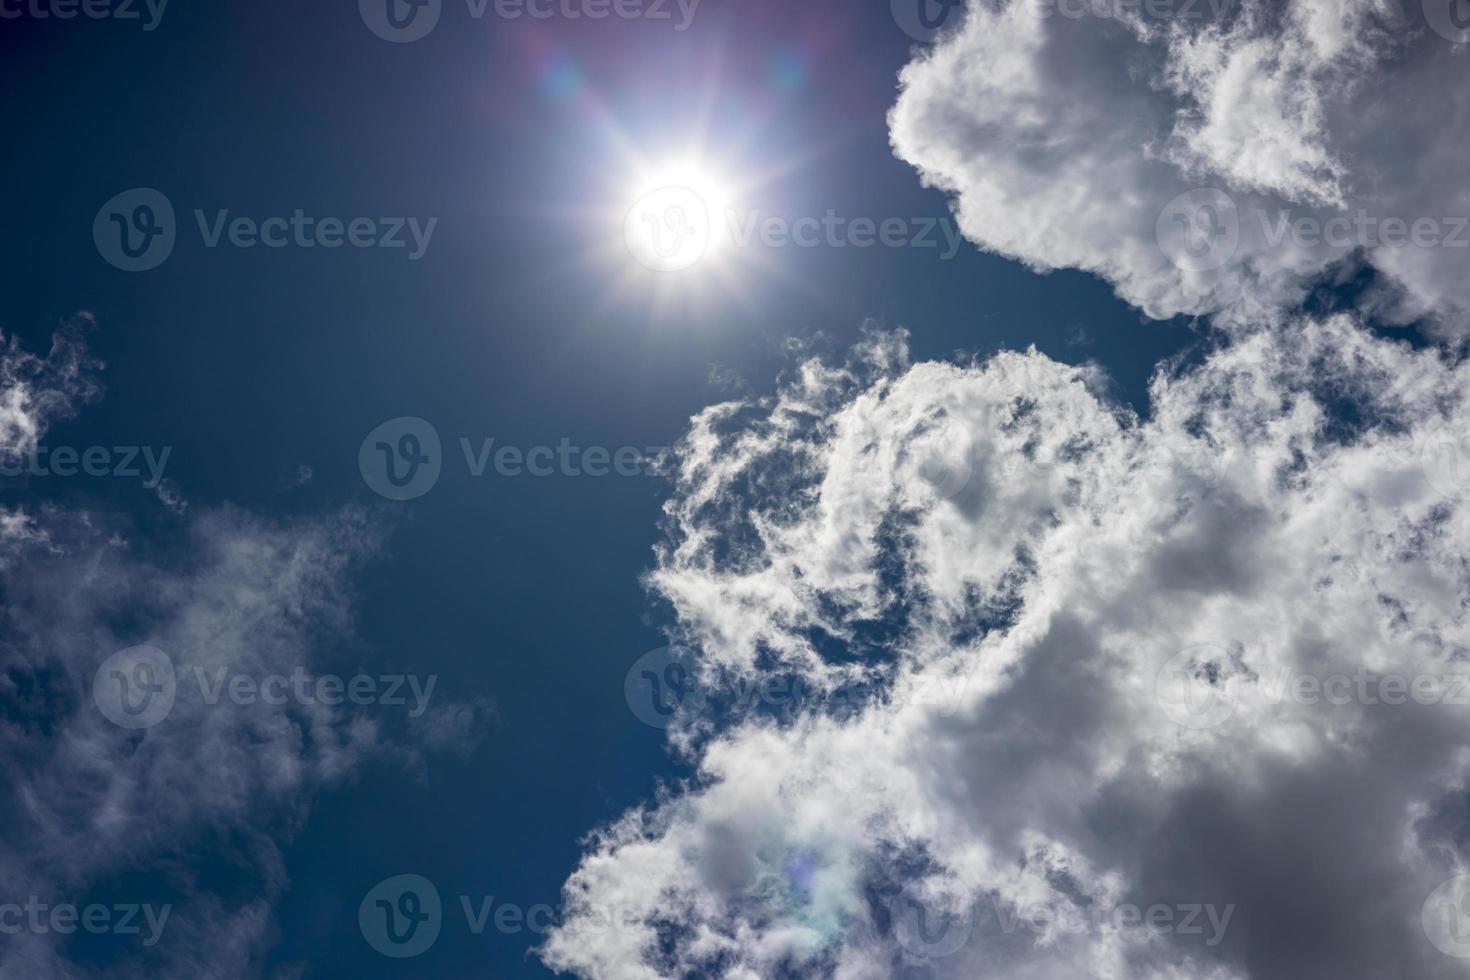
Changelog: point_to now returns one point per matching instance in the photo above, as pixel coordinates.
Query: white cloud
(36, 391)
(1251, 525)
(1038, 578)
(1064, 138)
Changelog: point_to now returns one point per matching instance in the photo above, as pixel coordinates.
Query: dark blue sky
(253, 362)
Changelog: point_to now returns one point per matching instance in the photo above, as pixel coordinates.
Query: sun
(667, 200)
(666, 212)
(686, 245)
(678, 218)
(682, 224)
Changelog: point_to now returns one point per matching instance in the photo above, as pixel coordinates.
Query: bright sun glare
(677, 218)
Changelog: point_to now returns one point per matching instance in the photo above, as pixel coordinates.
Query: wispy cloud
(95, 807)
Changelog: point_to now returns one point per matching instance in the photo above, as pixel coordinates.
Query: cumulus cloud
(1095, 636)
(1172, 695)
(1207, 157)
(149, 805)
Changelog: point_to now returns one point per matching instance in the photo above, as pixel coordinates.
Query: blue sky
(505, 153)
